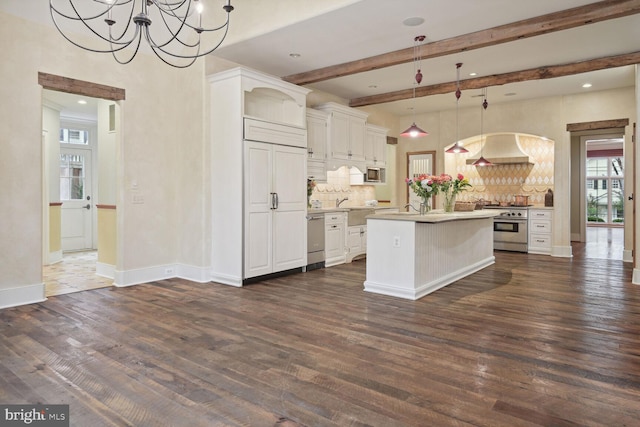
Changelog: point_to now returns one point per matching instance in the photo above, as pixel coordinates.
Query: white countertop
(348, 208)
(438, 215)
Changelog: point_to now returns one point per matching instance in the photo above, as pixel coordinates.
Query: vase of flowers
(450, 188)
(311, 184)
(425, 187)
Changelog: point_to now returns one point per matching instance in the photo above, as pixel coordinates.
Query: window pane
(617, 167)
(74, 136)
(597, 166)
(71, 177)
(597, 203)
(617, 200)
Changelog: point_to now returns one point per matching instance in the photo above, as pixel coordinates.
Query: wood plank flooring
(530, 341)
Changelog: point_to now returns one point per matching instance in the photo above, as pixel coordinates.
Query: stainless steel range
(510, 229)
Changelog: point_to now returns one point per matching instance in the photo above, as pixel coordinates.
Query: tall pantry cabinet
(258, 175)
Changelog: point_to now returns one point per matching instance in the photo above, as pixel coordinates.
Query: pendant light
(414, 131)
(457, 147)
(482, 161)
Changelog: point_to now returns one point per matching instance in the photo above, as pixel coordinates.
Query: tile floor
(76, 272)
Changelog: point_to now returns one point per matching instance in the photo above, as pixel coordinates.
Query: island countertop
(438, 215)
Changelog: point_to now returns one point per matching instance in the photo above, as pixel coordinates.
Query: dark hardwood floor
(530, 341)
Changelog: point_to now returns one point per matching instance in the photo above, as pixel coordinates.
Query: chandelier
(177, 31)
(457, 147)
(482, 161)
(414, 131)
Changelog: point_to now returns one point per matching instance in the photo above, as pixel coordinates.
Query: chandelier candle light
(414, 131)
(457, 148)
(177, 31)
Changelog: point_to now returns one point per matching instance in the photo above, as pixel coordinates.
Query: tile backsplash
(339, 187)
(502, 182)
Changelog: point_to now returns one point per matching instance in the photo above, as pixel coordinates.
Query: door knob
(88, 206)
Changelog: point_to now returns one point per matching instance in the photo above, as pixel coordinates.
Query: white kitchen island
(410, 255)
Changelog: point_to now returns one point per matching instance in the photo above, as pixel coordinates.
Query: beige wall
(546, 117)
(162, 128)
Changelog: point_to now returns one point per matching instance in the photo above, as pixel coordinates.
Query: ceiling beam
(557, 21)
(540, 73)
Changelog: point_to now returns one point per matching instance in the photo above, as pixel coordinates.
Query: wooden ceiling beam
(540, 73)
(557, 21)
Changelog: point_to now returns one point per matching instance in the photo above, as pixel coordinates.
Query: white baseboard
(627, 255)
(105, 270)
(21, 295)
(162, 272)
(562, 251)
(55, 257)
(226, 280)
(193, 273)
(636, 276)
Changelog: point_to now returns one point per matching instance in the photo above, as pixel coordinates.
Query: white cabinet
(275, 208)
(346, 134)
(258, 189)
(334, 238)
(317, 129)
(540, 229)
(375, 152)
(356, 241)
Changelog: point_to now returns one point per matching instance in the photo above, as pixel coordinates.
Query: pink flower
(460, 176)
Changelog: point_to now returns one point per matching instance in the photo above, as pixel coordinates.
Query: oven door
(510, 234)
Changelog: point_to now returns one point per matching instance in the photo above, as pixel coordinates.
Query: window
(74, 136)
(605, 190)
(71, 177)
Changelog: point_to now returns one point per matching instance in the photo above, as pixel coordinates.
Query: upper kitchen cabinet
(258, 161)
(317, 135)
(375, 150)
(346, 135)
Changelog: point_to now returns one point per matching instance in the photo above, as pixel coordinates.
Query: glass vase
(449, 202)
(425, 206)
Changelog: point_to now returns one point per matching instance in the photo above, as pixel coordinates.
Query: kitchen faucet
(409, 205)
(338, 201)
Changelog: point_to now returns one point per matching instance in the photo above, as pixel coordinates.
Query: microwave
(374, 175)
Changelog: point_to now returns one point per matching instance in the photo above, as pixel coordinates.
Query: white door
(418, 164)
(259, 201)
(75, 195)
(290, 213)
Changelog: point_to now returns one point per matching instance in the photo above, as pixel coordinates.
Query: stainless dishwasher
(315, 241)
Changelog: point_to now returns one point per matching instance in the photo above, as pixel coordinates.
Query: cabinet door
(376, 148)
(356, 138)
(258, 217)
(290, 214)
(334, 241)
(354, 240)
(340, 131)
(317, 138)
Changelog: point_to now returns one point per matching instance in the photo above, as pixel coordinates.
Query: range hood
(502, 149)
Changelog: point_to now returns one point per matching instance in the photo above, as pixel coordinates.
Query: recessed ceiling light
(473, 74)
(295, 55)
(510, 94)
(82, 101)
(586, 85)
(413, 21)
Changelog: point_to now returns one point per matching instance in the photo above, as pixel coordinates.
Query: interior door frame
(407, 164)
(94, 90)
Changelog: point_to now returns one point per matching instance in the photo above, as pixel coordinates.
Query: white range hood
(502, 149)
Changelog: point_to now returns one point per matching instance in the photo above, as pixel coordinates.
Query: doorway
(80, 142)
(599, 220)
(419, 163)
